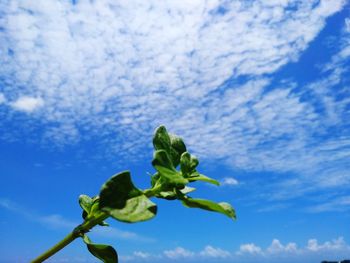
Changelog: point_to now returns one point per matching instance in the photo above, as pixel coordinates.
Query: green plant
(121, 200)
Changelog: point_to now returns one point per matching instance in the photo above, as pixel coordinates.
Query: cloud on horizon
(336, 249)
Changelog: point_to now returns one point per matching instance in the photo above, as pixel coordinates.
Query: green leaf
(185, 164)
(187, 190)
(172, 178)
(154, 179)
(136, 209)
(172, 195)
(172, 144)
(222, 207)
(117, 191)
(85, 202)
(169, 195)
(188, 164)
(161, 158)
(200, 177)
(161, 139)
(105, 253)
(178, 147)
(194, 162)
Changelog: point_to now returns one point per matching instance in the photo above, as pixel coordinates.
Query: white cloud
(277, 247)
(229, 181)
(249, 248)
(137, 54)
(27, 104)
(178, 252)
(2, 98)
(141, 254)
(338, 244)
(212, 252)
(274, 253)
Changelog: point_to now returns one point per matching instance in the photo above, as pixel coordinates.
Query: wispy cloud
(56, 221)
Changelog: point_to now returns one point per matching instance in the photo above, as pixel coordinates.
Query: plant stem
(79, 231)
(64, 242)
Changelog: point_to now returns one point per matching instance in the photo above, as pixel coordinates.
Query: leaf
(169, 195)
(178, 147)
(104, 252)
(161, 139)
(117, 190)
(172, 195)
(200, 177)
(172, 144)
(187, 190)
(194, 162)
(185, 164)
(136, 209)
(222, 207)
(161, 158)
(154, 179)
(85, 203)
(166, 171)
(171, 178)
(188, 164)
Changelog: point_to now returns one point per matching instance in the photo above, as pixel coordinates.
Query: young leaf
(172, 144)
(161, 158)
(200, 177)
(104, 252)
(194, 162)
(171, 178)
(117, 190)
(172, 195)
(168, 195)
(136, 209)
(85, 202)
(185, 164)
(161, 139)
(178, 147)
(188, 164)
(187, 190)
(166, 171)
(222, 207)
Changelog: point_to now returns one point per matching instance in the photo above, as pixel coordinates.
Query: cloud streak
(58, 222)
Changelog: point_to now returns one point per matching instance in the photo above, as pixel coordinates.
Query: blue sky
(259, 90)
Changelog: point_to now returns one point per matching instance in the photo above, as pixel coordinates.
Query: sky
(258, 90)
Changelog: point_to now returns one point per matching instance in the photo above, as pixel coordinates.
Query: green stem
(64, 242)
(77, 232)
(153, 191)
